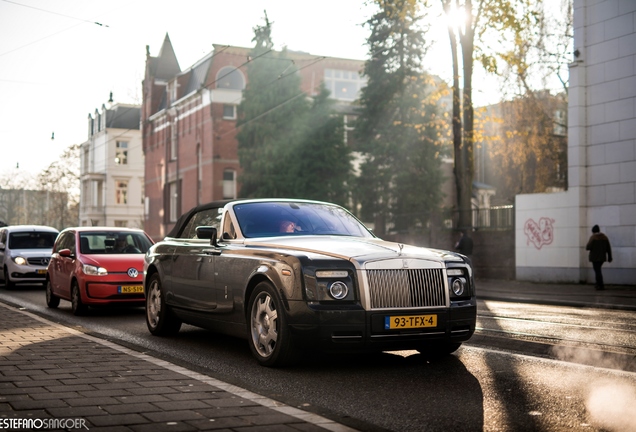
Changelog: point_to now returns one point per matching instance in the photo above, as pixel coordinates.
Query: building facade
(189, 124)
(553, 229)
(112, 169)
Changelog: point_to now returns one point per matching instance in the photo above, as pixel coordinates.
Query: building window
(229, 184)
(229, 112)
(173, 141)
(174, 201)
(86, 159)
(121, 223)
(344, 85)
(230, 77)
(560, 127)
(121, 153)
(121, 192)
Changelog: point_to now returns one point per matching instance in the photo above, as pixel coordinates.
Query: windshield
(266, 219)
(32, 240)
(113, 242)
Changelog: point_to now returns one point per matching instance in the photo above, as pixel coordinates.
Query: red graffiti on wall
(541, 233)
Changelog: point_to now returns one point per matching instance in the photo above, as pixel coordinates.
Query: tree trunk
(464, 195)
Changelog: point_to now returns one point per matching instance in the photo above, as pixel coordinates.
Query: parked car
(295, 275)
(95, 266)
(25, 251)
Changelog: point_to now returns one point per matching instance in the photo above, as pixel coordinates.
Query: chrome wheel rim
(264, 324)
(153, 304)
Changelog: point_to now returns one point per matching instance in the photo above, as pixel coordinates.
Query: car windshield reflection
(96, 243)
(268, 219)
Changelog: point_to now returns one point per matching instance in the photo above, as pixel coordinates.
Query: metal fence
(493, 218)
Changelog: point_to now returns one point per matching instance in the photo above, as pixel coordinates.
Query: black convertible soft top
(185, 217)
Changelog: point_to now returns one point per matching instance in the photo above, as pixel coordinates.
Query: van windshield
(32, 240)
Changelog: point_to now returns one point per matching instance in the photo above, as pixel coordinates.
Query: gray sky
(57, 65)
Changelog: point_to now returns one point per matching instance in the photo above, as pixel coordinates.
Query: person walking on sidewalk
(600, 251)
(465, 244)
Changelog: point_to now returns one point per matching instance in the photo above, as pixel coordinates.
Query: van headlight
(20, 260)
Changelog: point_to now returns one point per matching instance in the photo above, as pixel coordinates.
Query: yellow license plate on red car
(409, 322)
(130, 289)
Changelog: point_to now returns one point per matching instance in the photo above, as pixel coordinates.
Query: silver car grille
(406, 288)
(39, 261)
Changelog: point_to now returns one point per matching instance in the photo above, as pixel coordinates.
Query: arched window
(230, 77)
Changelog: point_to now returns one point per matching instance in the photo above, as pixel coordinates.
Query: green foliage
(323, 161)
(400, 178)
(289, 145)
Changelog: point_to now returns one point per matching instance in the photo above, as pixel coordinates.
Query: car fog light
(458, 287)
(338, 290)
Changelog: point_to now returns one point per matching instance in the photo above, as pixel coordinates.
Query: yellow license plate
(130, 289)
(409, 322)
(41, 271)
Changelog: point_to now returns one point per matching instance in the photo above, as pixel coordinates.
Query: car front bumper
(354, 329)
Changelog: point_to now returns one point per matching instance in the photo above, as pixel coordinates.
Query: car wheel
(269, 336)
(78, 307)
(52, 300)
(439, 350)
(7, 282)
(159, 318)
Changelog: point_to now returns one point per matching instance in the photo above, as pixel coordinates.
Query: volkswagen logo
(132, 272)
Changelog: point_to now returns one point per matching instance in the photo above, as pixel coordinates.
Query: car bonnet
(349, 248)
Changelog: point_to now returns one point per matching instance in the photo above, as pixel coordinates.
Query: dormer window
(230, 78)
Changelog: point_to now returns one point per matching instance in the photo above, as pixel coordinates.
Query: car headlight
(329, 285)
(459, 286)
(338, 290)
(458, 283)
(20, 260)
(93, 270)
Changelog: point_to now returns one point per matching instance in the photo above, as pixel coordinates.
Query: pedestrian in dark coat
(600, 251)
(465, 244)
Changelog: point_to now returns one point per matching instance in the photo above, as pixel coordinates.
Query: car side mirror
(207, 232)
(66, 253)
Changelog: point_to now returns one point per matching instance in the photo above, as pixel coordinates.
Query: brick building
(189, 124)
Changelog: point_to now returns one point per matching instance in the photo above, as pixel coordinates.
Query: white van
(25, 252)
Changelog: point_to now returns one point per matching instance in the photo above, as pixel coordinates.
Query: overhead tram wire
(52, 34)
(56, 13)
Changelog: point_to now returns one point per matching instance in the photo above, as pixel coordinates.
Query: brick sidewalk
(48, 371)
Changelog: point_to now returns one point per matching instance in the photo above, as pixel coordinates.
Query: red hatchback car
(94, 266)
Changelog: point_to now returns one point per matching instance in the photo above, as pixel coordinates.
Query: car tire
(7, 282)
(269, 335)
(78, 307)
(159, 318)
(52, 300)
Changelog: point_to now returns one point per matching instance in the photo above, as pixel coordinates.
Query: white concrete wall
(601, 156)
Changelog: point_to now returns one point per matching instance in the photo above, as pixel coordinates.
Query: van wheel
(7, 282)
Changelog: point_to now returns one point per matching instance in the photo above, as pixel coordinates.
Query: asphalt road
(530, 367)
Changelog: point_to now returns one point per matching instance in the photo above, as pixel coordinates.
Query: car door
(61, 268)
(193, 266)
(3, 246)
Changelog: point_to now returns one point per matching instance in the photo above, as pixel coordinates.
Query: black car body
(327, 284)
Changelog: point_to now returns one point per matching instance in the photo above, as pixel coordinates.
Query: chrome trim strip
(405, 335)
